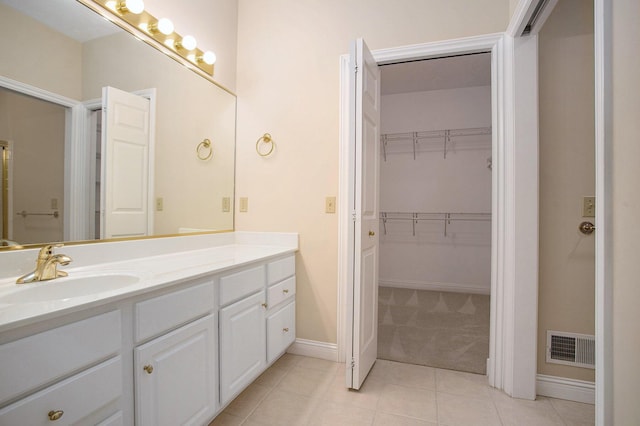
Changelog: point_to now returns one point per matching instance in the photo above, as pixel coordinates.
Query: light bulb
(188, 42)
(208, 57)
(165, 26)
(134, 6)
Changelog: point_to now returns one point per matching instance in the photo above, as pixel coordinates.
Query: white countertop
(152, 273)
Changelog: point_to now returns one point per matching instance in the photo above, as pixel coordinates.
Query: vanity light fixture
(163, 25)
(154, 31)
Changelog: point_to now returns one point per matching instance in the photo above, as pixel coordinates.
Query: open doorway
(435, 212)
(511, 365)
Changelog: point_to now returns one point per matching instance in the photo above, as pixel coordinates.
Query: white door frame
(512, 365)
(604, 278)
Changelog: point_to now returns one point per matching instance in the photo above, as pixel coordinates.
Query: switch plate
(588, 206)
(159, 204)
(226, 204)
(244, 204)
(54, 204)
(330, 205)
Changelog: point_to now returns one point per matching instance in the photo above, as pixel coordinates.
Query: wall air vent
(571, 349)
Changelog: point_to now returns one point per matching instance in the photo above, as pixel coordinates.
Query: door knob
(371, 233)
(587, 228)
(148, 369)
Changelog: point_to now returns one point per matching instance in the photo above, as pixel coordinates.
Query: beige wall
(288, 85)
(626, 204)
(567, 173)
(27, 47)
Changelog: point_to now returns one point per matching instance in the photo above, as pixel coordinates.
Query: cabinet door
(242, 344)
(176, 376)
(281, 331)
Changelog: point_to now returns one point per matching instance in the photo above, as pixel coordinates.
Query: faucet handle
(47, 250)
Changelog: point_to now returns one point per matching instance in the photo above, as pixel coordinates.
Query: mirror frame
(98, 8)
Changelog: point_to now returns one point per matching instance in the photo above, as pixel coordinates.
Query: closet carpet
(433, 328)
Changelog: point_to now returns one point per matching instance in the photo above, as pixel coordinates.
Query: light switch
(159, 204)
(226, 204)
(330, 205)
(244, 204)
(588, 206)
(54, 204)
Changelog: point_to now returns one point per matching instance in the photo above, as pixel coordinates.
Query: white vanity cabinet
(71, 374)
(242, 330)
(176, 352)
(176, 373)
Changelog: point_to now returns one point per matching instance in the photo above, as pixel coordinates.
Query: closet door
(363, 291)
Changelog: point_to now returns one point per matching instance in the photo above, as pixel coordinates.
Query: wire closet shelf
(445, 218)
(444, 135)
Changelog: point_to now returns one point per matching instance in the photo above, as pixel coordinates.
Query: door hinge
(355, 68)
(353, 363)
(353, 216)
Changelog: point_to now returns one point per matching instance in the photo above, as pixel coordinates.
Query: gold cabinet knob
(371, 233)
(55, 415)
(264, 305)
(148, 368)
(285, 291)
(286, 329)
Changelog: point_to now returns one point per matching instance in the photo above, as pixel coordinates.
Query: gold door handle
(148, 369)
(285, 291)
(264, 305)
(55, 415)
(371, 233)
(286, 329)
(587, 228)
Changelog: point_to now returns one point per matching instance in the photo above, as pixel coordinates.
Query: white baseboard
(314, 349)
(435, 286)
(570, 389)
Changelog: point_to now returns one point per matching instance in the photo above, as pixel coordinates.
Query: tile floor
(299, 390)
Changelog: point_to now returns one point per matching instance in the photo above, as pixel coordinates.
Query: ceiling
(437, 74)
(66, 16)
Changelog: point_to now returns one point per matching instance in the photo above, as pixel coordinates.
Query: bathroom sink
(73, 286)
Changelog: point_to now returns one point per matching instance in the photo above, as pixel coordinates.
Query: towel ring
(204, 151)
(266, 139)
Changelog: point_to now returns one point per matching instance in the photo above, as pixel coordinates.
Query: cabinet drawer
(77, 397)
(281, 291)
(39, 359)
(170, 310)
(281, 269)
(281, 331)
(235, 286)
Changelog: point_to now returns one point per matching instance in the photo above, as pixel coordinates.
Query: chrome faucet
(46, 266)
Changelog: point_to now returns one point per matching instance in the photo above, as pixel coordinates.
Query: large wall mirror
(62, 180)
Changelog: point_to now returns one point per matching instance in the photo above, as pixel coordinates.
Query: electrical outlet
(159, 204)
(244, 204)
(330, 205)
(226, 204)
(588, 206)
